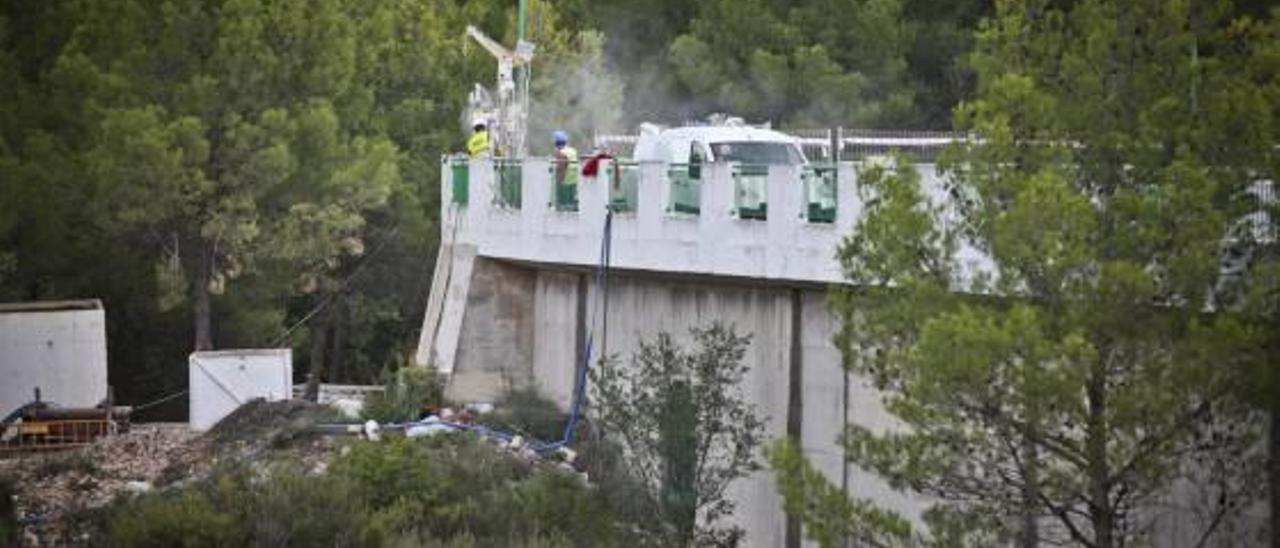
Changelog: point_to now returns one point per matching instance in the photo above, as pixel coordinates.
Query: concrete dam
(513, 297)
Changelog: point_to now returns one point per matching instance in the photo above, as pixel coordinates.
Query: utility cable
(160, 400)
(575, 409)
(342, 285)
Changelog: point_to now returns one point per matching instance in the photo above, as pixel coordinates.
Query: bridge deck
(767, 222)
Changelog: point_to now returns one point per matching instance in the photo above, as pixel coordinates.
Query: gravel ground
(58, 495)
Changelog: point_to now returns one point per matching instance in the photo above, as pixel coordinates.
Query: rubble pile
(58, 495)
(54, 491)
(247, 434)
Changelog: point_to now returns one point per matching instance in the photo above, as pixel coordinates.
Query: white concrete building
(59, 347)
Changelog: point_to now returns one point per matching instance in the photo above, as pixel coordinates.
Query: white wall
(222, 381)
(63, 352)
(786, 246)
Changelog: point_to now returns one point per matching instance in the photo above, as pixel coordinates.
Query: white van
(749, 150)
(724, 143)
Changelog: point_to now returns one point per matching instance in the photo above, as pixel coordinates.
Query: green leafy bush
(190, 519)
(409, 391)
(452, 490)
(527, 412)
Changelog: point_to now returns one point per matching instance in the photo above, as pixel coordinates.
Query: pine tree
(1056, 395)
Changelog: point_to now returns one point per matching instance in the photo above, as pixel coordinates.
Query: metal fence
(49, 435)
(859, 144)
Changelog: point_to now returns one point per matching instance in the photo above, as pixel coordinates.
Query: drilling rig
(506, 108)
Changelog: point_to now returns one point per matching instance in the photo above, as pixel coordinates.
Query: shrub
(293, 509)
(450, 490)
(187, 519)
(526, 412)
(409, 391)
(685, 427)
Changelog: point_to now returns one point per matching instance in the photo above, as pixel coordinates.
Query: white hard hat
(479, 122)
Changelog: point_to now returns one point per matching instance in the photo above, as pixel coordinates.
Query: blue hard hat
(560, 137)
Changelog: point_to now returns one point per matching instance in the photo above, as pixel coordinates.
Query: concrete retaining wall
(526, 326)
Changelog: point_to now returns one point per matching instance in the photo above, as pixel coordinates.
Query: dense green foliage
(407, 394)
(256, 173)
(239, 174)
(1114, 145)
(227, 173)
(442, 491)
(797, 63)
(685, 428)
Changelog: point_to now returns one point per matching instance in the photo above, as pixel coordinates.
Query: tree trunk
(1100, 511)
(319, 343)
(200, 299)
(679, 443)
(338, 323)
(1029, 536)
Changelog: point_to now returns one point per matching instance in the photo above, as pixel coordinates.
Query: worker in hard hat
(566, 172)
(478, 145)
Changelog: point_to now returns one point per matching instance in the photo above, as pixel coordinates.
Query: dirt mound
(58, 493)
(260, 419)
(246, 434)
(55, 492)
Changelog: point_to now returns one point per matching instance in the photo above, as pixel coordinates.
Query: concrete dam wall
(513, 299)
(525, 326)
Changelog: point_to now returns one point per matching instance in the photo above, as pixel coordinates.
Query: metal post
(520, 22)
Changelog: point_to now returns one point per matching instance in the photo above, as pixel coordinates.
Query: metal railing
(749, 201)
(624, 186)
(460, 174)
(508, 176)
(49, 435)
(686, 193)
(820, 193)
(751, 191)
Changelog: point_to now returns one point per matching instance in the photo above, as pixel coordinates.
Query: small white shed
(59, 347)
(223, 380)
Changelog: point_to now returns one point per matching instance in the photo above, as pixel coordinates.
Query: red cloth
(592, 166)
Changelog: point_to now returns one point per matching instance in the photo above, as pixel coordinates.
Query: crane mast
(506, 108)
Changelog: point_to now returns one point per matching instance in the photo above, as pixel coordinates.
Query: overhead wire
(342, 285)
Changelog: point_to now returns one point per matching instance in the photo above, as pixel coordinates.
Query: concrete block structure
(221, 381)
(59, 347)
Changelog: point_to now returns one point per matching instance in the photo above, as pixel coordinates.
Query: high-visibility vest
(478, 144)
(566, 172)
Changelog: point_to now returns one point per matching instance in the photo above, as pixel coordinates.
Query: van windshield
(756, 152)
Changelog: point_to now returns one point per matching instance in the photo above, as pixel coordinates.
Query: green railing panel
(750, 191)
(461, 175)
(564, 195)
(624, 187)
(820, 194)
(686, 197)
(508, 175)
